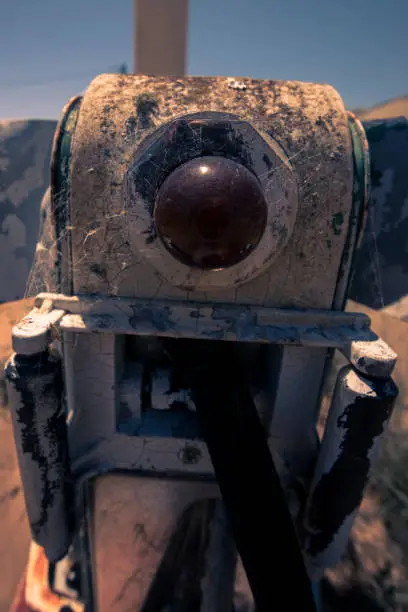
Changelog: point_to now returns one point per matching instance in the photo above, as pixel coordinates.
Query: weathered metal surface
(293, 408)
(172, 319)
(358, 216)
(312, 333)
(374, 359)
(149, 454)
(157, 558)
(308, 121)
(195, 137)
(25, 148)
(381, 272)
(60, 191)
(357, 421)
(160, 39)
(96, 444)
(292, 441)
(99, 248)
(34, 385)
(200, 552)
(35, 332)
(380, 278)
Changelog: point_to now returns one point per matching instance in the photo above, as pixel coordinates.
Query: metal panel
(160, 42)
(131, 541)
(296, 115)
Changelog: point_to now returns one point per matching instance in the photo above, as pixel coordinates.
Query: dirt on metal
(14, 530)
(372, 575)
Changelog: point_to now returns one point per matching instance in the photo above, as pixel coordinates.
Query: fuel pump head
(196, 251)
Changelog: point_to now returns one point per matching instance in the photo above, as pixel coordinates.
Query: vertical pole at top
(160, 37)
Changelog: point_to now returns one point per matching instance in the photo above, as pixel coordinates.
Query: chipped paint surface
(236, 84)
(299, 144)
(374, 359)
(34, 386)
(379, 269)
(200, 320)
(308, 121)
(163, 451)
(225, 328)
(357, 420)
(127, 534)
(200, 135)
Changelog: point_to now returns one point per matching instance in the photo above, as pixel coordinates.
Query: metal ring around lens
(263, 156)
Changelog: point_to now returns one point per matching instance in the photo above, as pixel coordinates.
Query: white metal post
(160, 43)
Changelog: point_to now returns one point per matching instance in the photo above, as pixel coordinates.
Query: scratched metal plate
(308, 121)
(133, 521)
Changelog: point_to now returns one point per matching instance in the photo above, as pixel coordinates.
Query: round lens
(210, 212)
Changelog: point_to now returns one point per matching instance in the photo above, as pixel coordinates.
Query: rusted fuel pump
(196, 251)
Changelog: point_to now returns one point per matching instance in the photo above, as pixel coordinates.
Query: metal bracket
(174, 319)
(349, 332)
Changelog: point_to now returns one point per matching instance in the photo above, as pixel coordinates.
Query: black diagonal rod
(261, 523)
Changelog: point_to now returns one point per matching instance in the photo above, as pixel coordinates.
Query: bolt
(190, 455)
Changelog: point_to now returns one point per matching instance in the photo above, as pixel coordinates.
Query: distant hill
(398, 107)
(25, 148)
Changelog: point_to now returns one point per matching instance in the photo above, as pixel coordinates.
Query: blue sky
(51, 49)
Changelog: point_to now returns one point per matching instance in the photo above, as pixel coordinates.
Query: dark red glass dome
(210, 212)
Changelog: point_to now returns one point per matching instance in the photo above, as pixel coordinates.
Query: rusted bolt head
(190, 455)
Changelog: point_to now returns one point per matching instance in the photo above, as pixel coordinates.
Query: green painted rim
(359, 208)
(361, 164)
(60, 175)
(62, 150)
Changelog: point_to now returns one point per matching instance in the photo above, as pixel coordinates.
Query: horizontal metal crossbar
(209, 321)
